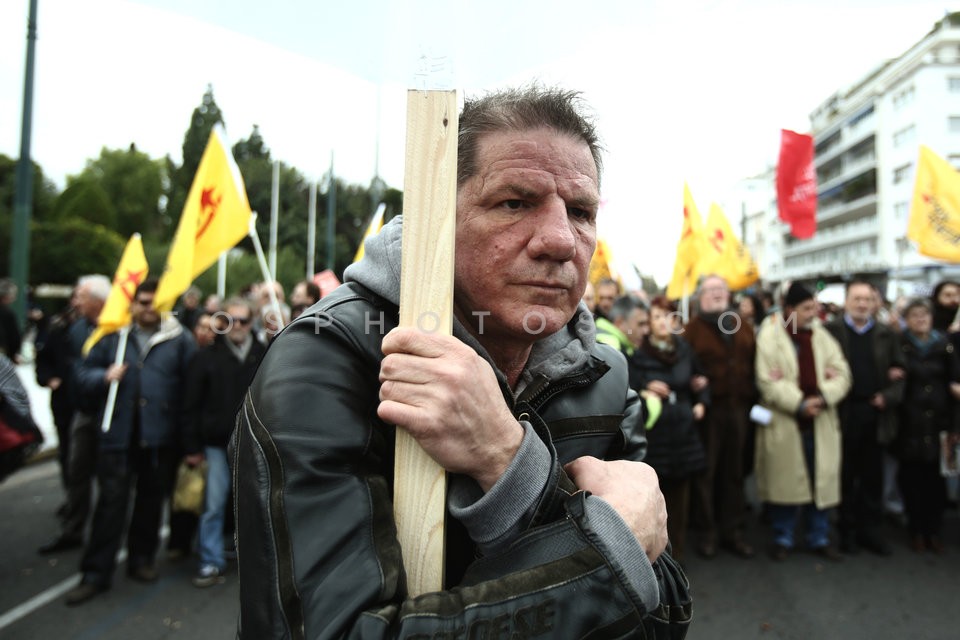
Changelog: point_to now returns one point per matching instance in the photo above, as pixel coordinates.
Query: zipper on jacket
(542, 389)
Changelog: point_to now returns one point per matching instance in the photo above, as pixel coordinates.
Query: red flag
(797, 184)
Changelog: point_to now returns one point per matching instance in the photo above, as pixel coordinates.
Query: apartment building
(867, 141)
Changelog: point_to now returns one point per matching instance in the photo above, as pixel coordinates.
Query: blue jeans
(783, 517)
(215, 494)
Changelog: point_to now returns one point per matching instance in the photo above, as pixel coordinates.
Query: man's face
(142, 311)
(804, 312)
(299, 294)
(714, 295)
(204, 331)
(636, 326)
(860, 302)
(87, 305)
(526, 230)
(241, 323)
(606, 295)
(949, 296)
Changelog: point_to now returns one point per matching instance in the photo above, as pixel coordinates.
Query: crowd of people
(179, 378)
(579, 453)
(853, 409)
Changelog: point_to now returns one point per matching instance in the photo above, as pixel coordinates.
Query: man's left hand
(633, 490)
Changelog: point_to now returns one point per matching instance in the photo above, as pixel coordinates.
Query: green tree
(133, 183)
(251, 148)
(85, 199)
(71, 248)
(44, 191)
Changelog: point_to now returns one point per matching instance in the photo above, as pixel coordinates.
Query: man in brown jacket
(725, 347)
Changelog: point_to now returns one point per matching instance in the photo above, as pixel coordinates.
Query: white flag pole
(112, 393)
(274, 221)
(222, 275)
(264, 269)
(312, 231)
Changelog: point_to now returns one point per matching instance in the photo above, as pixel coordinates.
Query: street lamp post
(20, 238)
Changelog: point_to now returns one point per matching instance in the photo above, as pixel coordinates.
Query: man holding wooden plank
(555, 528)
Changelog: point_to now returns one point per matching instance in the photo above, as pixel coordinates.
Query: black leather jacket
(313, 467)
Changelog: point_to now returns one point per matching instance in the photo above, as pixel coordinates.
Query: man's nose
(553, 237)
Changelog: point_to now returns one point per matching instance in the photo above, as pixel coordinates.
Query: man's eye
(513, 204)
(580, 214)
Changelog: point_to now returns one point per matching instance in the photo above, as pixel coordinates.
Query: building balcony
(840, 212)
(842, 265)
(849, 169)
(833, 236)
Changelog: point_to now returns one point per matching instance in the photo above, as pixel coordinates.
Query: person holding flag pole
(131, 271)
(140, 445)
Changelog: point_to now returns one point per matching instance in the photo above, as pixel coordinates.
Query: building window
(903, 98)
(901, 211)
(954, 124)
(906, 136)
(953, 84)
(901, 174)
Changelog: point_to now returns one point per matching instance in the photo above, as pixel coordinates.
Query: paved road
(905, 596)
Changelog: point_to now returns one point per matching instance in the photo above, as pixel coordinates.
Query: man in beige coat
(802, 376)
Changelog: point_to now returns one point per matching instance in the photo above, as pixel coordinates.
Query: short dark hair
(608, 281)
(857, 281)
(522, 109)
(312, 290)
(624, 306)
(147, 286)
(917, 303)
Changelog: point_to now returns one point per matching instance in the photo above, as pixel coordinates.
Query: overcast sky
(695, 90)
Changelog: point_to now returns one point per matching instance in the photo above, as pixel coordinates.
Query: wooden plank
(426, 302)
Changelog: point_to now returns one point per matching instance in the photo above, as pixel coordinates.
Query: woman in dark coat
(666, 366)
(928, 408)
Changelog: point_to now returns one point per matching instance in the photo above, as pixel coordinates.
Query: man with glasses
(139, 446)
(218, 378)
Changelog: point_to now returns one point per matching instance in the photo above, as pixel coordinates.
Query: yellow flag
(131, 271)
(935, 213)
(601, 264)
(215, 218)
(724, 254)
(686, 267)
(376, 223)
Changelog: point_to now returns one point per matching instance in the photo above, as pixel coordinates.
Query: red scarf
(808, 371)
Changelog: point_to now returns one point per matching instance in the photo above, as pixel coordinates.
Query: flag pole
(274, 220)
(312, 232)
(112, 393)
(264, 269)
(222, 275)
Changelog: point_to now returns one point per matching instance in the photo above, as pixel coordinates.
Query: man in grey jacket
(555, 526)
